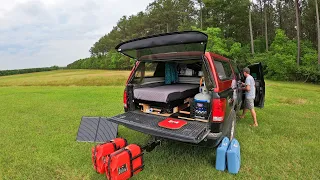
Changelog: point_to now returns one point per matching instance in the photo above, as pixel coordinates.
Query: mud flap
(96, 129)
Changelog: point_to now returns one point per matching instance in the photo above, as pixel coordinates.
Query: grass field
(38, 126)
(67, 78)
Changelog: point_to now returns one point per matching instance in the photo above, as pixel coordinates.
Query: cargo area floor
(193, 131)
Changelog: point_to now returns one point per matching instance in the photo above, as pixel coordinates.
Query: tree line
(24, 71)
(283, 34)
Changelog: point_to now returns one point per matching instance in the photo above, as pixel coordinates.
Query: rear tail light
(218, 109)
(125, 98)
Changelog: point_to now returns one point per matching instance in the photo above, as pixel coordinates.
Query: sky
(43, 33)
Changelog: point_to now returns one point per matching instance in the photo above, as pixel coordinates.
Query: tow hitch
(151, 145)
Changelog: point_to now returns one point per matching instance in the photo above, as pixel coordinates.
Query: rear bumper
(193, 132)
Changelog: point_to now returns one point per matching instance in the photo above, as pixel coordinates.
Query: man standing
(250, 89)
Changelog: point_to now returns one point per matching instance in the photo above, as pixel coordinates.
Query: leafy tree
(274, 36)
(318, 31)
(297, 6)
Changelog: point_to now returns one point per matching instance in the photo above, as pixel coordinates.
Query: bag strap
(95, 158)
(108, 173)
(132, 171)
(95, 154)
(125, 142)
(114, 145)
(142, 162)
(131, 159)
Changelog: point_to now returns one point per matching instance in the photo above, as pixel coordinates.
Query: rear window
(146, 70)
(155, 71)
(148, 48)
(223, 70)
(170, 49)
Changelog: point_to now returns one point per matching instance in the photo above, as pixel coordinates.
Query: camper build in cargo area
(173, 77)
(175, 91)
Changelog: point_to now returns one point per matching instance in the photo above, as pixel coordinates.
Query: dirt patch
(293, 101)
(311, 115)
(272, 85)
(124, 74)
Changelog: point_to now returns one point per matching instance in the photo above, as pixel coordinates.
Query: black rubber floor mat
(193, 131)
(96, 129)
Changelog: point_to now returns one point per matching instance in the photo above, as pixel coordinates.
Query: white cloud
(56, 32)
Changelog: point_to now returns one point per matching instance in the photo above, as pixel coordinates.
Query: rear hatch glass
(164, 46)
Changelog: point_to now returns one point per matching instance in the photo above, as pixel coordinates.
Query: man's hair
(247, 70)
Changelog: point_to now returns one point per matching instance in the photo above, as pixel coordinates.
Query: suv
(173, 77)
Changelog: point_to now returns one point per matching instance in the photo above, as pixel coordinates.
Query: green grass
(67, 78)
(38, 126)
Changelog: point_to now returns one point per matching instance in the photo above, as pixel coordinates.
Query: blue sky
(42, 33)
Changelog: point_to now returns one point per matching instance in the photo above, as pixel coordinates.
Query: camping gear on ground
(221, 156)
(124, 163)
(171, 73)
(96, 129)
(233, 157)
(200, 107)
(172, 123)
(99, 152)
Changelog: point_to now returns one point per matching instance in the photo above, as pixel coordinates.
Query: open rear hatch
(192, 132)
(188, 44)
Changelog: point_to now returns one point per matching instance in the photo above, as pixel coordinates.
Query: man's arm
(246, 88)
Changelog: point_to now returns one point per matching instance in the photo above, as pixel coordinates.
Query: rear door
(239, 78)
(256, 72)
(169, 46)
(225, 78)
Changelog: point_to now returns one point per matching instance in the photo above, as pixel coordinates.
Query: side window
(254, 75)
(236, 71)
(190, 69)
(223, 69)
(145, 70)
(206, 76)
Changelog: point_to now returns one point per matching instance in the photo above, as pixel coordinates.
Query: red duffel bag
(124, 163)
(99, 152)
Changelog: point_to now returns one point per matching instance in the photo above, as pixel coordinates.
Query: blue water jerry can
(221, 154)
(233, 157)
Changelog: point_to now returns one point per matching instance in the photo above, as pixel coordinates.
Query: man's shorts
(249, 103)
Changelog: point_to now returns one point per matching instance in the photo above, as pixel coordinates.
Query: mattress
(166, 93)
